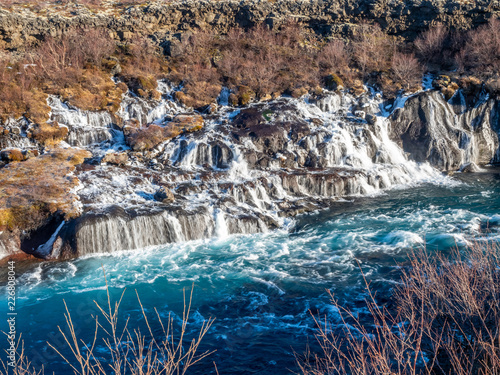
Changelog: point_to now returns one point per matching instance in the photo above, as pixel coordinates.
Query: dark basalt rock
(268, 134)
(164, 195)
(222, 155)
(168, 22)
(431, 129)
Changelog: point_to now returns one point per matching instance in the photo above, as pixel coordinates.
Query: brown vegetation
(162, 350)
(146, 138)
(32, 190)
(255, 64)
(430, 44)
(407, 71)
(481, 54)
(445, 321)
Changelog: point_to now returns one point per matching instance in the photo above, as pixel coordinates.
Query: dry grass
(146, 138)
(128, 350)
(446, 321)
(32, 190)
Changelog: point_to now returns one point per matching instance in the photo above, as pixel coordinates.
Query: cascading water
(147, 111)
(84, 127)
(256, 166)
(261, 288)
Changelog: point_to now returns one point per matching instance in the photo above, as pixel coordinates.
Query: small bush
(372, 49)
(62, 59)
(121, 349)
(407, 70)
(334, 57)
(430, 44)
(334, 82)
(481, 53)
(444, 321)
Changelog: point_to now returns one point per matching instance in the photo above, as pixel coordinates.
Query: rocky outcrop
(164, 20)
(450, 134)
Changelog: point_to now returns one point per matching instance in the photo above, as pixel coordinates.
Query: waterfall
(250, 169)
(149, 111)
(221, 229)
(84, 127)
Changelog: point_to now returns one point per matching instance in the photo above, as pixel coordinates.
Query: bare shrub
(445, 321)
(129, 351)
(22, 364)
(62, 59)
(431, 43)
(95, 45)
(406, 70)
(268, 61)
(481, 53)
(458, 300)
(334, 57)
(143, 57)
(372, 49)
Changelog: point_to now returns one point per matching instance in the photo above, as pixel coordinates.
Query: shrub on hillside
(481, 53)
(372, 49)
(431, 44)
(266, 61)
(334, 56)
(407, 70)
(62, 59)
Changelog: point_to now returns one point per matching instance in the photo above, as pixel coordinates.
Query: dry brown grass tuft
(32, 190)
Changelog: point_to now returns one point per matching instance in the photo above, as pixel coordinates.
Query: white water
(226, 184)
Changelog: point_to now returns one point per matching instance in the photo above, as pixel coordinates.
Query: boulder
(334, 82)
(371, 119)
(469, 168)
(116, 158)
(164, 195)
(144, 139)
(13, 154)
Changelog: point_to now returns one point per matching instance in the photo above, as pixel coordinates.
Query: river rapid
(261, 288)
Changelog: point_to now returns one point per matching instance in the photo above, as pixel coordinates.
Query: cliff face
(329, 17)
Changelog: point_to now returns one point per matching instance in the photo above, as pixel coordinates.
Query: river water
(261, 289)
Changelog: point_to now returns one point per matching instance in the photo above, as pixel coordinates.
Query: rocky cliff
(327, 17)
